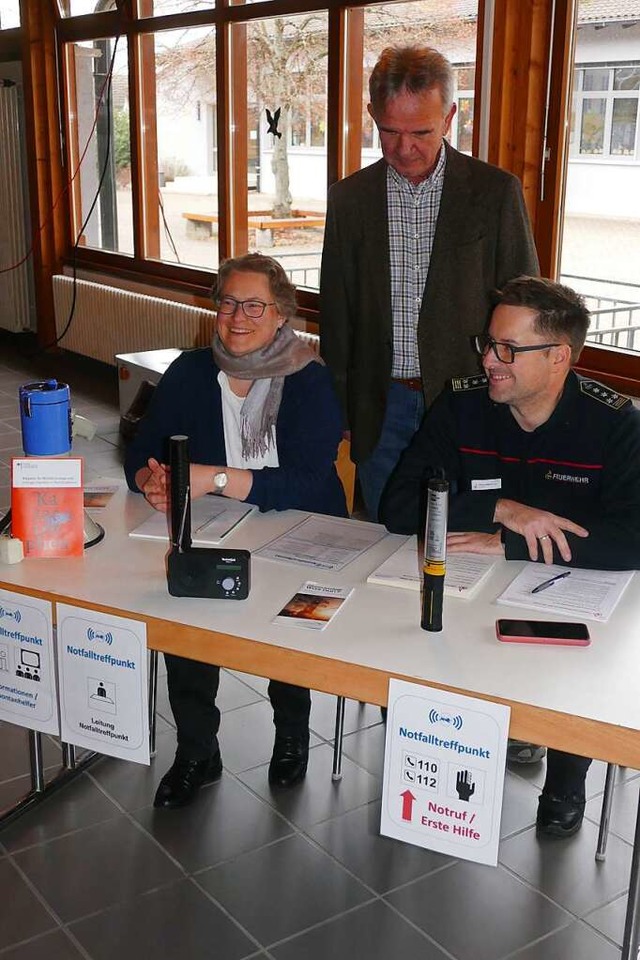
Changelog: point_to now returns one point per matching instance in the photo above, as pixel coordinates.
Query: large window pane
(601, 228)
(626, 78)
(623, 127)
(79, 8)
(99, 147)
(596, 79)
(592, 127)
(179, 73)
(287, 111)
(434, 24)
(9, 14)
(159, 8)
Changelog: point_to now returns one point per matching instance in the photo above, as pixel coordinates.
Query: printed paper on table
(465, 572)
(47, 511)
(313, 606)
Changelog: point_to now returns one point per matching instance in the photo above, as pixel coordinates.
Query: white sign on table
(102, 662)
(27, 675)
(444, 771)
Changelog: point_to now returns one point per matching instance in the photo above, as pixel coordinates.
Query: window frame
(345, 39)
(531, 45)
(610, 95)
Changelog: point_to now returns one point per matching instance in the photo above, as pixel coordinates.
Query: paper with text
(584, 595)
(444, 766)
(313, 606)
(465, 572)
(212, 519)
(28, 690)
(102, 666)
(327, 543)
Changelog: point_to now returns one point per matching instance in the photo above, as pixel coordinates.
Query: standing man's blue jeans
(404, 413)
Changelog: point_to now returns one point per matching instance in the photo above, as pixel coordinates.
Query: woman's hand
(238, 486)
(153, 481)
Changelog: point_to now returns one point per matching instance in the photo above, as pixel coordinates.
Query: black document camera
(213, 573)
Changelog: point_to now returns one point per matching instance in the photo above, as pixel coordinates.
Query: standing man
(413, 246)
(543, 465)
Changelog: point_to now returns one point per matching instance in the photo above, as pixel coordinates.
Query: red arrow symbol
(407, 804)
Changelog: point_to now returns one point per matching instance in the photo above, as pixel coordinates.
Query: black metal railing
(615, 310)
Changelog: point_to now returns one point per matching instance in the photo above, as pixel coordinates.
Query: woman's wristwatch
(220, 481)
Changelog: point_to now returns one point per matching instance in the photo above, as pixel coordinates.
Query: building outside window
(601, 229)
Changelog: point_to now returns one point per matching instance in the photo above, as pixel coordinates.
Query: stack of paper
(582, 595)
(212, 519)
(328, 543)
(466, 572)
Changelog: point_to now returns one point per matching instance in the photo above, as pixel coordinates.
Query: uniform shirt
(582, 464)
(413, 215)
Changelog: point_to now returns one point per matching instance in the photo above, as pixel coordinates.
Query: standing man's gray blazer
(483, 238)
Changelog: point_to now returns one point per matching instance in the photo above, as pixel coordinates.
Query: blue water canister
(45, 416)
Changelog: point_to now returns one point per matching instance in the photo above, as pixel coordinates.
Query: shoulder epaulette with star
(459, 384)
(597, 391)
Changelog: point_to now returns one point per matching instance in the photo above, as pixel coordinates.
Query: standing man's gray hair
(412, 69)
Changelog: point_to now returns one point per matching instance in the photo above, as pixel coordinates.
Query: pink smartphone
(543, 631)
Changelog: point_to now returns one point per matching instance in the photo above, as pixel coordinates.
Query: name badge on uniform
(487, 484)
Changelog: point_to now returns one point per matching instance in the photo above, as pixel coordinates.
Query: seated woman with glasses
(264, 425)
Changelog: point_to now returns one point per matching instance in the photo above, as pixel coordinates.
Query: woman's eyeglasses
(253, 309)
(505, 352)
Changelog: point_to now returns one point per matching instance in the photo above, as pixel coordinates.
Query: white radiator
(15, 313)
(107, 321)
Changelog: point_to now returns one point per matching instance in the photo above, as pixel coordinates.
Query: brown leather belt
(412, 383)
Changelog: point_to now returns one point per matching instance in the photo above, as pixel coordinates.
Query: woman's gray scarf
(267, 367)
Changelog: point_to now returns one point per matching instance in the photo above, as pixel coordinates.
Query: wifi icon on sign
(98, 635)
(11, 614)
(445, 719)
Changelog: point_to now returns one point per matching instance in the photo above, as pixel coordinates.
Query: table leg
(68, 756)
(153, 699)
(631, 940)
(336, 773)
(39, 789)
(35, 760)
(605, 816)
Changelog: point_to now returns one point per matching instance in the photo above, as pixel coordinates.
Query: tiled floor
(96, 872)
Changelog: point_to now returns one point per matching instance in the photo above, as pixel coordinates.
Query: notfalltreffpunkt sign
(444, 770)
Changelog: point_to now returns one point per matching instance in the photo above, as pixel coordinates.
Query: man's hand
(475, 543)
(539, 528)
(153, 481)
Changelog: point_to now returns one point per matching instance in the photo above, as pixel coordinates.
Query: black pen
(549, 583)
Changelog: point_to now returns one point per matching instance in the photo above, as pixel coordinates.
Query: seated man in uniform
(543, 464)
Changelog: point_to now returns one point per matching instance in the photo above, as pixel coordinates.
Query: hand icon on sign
(465, 786)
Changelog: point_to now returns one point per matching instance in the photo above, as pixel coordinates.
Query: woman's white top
(231, 421)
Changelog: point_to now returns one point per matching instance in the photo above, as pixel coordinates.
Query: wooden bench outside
(201, 224)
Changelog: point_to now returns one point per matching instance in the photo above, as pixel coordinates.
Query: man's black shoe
(180, 784)
(289, 761)
(560, 816)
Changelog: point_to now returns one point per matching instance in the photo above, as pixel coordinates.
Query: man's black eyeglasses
(505, 352)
